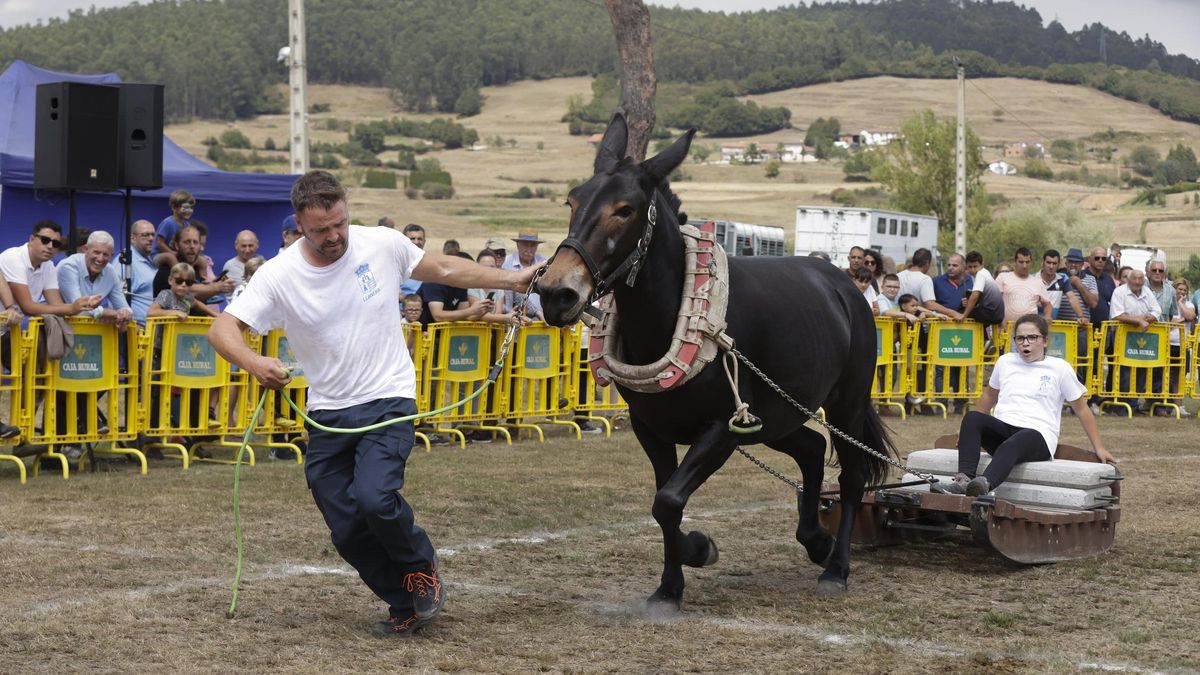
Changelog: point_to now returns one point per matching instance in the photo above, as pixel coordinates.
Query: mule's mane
(673, 201)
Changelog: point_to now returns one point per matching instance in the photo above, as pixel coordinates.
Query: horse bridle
(630, 267)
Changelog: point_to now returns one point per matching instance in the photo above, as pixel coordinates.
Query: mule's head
(608, 218)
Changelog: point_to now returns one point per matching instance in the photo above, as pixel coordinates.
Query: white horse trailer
(743, 239)
(835, 230)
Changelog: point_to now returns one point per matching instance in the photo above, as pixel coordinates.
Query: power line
(1009, 112)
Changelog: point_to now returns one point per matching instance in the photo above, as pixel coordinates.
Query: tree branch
(631, 26)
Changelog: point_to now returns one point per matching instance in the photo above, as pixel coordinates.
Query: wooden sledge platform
(1064, 509)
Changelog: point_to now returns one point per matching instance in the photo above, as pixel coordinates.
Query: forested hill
(218, 58)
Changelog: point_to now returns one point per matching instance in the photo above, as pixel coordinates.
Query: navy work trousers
(356, 480)
(1007, 444)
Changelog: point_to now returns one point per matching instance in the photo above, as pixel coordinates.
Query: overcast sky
(1175, 23)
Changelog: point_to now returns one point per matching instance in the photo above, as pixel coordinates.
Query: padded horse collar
(632, 264)
(699, 329)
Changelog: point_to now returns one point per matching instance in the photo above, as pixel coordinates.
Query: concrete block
(1043, 495)
(1057, 472)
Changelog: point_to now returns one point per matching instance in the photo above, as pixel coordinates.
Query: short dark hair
(464, 255)
(46, 224)
(857, 248)
(451, 246)
(864, 274)
(904, 299)
(200, 226)
(181, 197)
(922, 257)
(316, 188)
(974, 257)
(1051, 253)
(1038, 320)
(412, 227)
(79, 238)
(891, 277)
(1023, 251)
(386, 222)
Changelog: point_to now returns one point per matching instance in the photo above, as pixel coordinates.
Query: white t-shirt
(341, 320)
(1032, 394)
(17, 269)
(870, 295)
(917, 284)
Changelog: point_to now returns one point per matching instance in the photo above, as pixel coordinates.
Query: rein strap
(632, 264)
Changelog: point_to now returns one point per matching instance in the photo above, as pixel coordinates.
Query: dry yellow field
(546, 156)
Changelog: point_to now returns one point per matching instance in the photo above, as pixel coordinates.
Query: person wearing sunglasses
(177, 300)
(32, 278)
(1019, 415)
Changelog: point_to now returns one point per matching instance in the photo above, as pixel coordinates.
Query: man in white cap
(498, 248)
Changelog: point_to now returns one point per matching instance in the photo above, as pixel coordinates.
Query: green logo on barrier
(1141, 346)
(878, 342)
(85, 361)
(1058, 345)
(286, 355)
(956, 343)
(194, 356)
(464, 353)
(537, 351)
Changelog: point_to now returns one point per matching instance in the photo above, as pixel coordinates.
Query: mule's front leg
(706, 455)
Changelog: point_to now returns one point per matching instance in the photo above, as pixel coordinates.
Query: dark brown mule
(801, 320)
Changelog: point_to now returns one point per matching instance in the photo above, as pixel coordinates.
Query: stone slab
(1057, 472)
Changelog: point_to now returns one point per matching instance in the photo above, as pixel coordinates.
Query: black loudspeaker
(141, 134)
(75, 137)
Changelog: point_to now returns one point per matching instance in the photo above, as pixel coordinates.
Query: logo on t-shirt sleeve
(366, 282)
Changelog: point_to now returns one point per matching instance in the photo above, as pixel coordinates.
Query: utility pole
(298, 87)
(960, 195)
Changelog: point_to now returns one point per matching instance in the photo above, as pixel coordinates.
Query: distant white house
(734, 152)
(795, 153)
(866, 137)
(1002, 169)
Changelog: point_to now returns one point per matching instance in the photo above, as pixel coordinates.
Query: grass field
(548, 551)
(547, 156)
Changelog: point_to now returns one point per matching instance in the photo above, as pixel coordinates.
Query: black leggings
(1008, 445)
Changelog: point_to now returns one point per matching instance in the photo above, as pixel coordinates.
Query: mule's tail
(877, 437)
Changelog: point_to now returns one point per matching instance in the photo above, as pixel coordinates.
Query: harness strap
(632, 264)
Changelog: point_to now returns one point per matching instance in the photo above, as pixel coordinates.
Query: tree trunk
(631, 25)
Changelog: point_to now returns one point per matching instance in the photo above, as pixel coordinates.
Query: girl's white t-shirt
(342, 321)
(1032, 394)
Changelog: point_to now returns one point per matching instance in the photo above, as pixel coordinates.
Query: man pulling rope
(335, 294)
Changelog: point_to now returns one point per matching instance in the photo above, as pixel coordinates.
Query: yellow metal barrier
(1193, 361)
(86, 397)
(11, 387)
(537, 376)
(948, 363)
(589, 397)
(1070, 341)
(277, 417)
(456, 362)
(1138, 361)
(891, 385)
(187, 391)
(418, 349)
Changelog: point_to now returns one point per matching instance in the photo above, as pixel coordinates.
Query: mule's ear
(612, 148)
(661, 165)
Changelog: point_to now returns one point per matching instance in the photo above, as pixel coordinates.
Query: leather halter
(632, 264)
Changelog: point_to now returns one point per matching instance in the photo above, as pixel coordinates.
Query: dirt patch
(549, 550)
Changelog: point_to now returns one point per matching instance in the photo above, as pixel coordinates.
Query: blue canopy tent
(227, 202)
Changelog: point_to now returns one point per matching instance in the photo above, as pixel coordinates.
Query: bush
(412, 193)
(210, 141)
(438, 191)
(522, 192)
(1036, 168)
(325, 160)
(318, 108)
(232, 138)
(385, 180)
(269, 144)
(421, 179)
(469, 103)
(772, 168)
(429, 164)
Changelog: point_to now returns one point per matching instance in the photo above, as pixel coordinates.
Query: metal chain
(928, 477)
(766, 467)
(518, 316)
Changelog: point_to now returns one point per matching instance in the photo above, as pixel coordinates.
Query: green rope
(237, 466)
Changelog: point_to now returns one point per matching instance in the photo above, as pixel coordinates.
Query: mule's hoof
(831, 588)
(661, 605)
(702, 550)
(820, 548)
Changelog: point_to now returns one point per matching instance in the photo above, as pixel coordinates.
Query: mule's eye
(625, 211)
